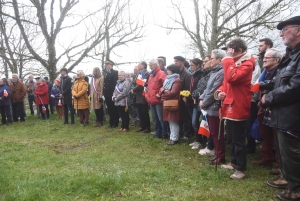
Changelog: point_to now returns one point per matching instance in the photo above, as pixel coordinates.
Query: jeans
(251, 144)
(31, 100)
(157, 117)
(195, 114)
(174, 130)
(68, 107)
(236, 131)
(289, 152)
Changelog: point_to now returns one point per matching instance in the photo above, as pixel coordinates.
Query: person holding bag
(170, 93)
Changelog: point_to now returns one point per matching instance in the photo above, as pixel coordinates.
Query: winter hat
(57, 80)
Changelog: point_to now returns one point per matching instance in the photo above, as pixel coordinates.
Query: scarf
(169, 81)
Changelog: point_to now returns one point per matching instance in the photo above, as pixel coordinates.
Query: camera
(266, 85)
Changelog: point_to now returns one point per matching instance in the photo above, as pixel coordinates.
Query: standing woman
(5, 103)
(56, 100)
(81, 101)
(96, 94)
(42, 97)
(197, 73)
(121, 97)
(208, 103)
(171, 91)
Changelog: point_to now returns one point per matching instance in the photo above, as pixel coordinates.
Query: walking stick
(219, 133)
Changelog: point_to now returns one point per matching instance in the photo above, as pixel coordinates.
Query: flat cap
(109, 62)
(180, 58)
(292, 21)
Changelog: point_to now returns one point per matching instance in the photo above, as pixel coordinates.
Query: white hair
(275, 53)
(154, 61)
(219, 54)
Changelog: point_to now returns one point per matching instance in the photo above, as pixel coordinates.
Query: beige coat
(95, 104)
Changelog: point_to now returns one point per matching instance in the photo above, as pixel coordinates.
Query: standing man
(30, 87)
(235, 92)
(66, 95)
(50, 85)
(264, 44)
(284, 102)
(140, 100)
(185, 77)
(18, 92)
(110, 81)
(155, 83)
(161, 63)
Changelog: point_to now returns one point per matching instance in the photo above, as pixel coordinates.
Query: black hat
(109, 62)
(37, 78)
(46, 78)
(292, 21)
(180, 58)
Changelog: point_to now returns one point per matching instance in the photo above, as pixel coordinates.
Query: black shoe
(66, 122)
(81, 122)
(146, 131)
(140, 130)
(218, 161)
(85, 123)
(165, 137)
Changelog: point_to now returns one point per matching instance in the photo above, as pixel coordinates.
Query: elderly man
(155, 82)
(30, 87)
(272, 59)
(140, 100)
(264, 44)
(18, 92)
(110, 81)
(284, 102)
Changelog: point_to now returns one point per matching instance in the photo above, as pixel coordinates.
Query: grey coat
(214, 82)
(123, 98)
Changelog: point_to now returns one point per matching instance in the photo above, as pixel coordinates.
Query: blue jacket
(5, 100)
(55, 91)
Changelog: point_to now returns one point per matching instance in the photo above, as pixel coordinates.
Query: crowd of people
(220, 88)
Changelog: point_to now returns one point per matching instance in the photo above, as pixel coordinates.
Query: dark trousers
(84, 115)
(236, 131)
(67, 108)
(44, 115)
(219, 143)
(18, 111)
(289, 155)
(5, 113)
(112, 111)
(251, 144)
(99, 114)
(268, 135)
(124, 116)
(144, 115)
(31, 100)
(186, 122)
(51, 105)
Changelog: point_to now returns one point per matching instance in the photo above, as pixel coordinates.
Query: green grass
(46, 160)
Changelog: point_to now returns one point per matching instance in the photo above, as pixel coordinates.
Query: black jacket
(65, 88)
(284, 100)
(194, 79)
(110, 81)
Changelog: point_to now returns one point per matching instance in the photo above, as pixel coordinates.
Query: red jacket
(41, 92)
(155, 82)
(172, 94)
(237, 87)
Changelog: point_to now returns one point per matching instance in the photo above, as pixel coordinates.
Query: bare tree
(218, 21)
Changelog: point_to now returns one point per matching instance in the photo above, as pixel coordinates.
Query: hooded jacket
(237, 87)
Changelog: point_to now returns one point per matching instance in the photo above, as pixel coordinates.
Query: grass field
(46, 160)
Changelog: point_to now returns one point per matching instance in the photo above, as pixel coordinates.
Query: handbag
(170, 105)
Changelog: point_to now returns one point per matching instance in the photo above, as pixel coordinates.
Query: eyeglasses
(286, 28)
(269, 57)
